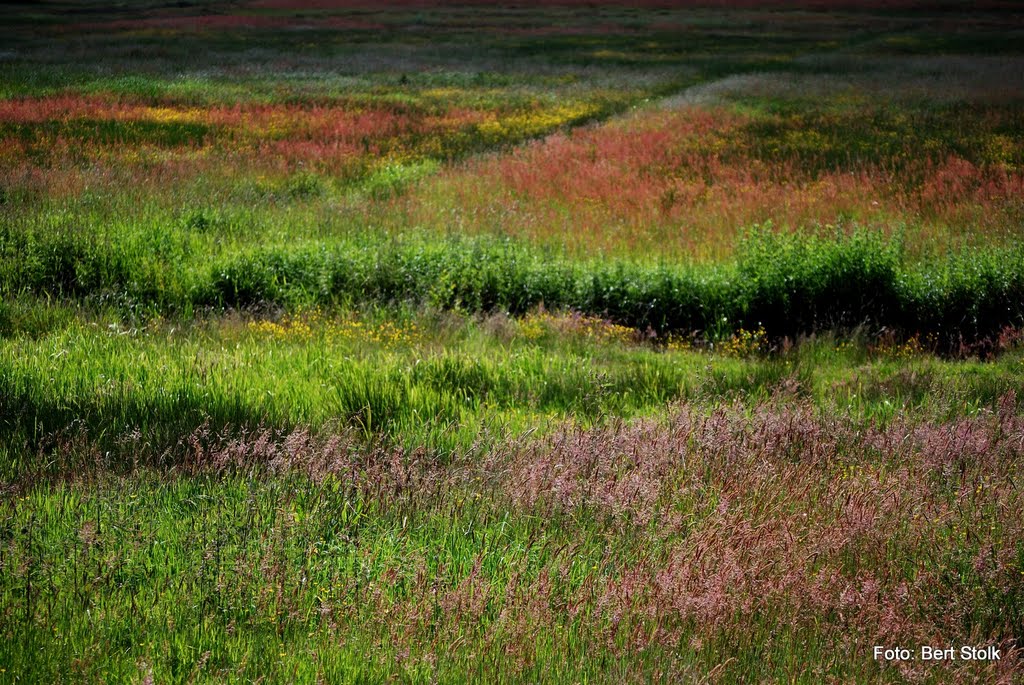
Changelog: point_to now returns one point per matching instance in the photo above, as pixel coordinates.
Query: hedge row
(790, 285)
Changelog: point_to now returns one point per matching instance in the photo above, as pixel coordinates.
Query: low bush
(789, 285)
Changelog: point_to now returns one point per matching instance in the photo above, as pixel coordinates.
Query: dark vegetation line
(788, 285)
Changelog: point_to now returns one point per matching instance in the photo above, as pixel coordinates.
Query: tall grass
(789, 285)
(434, 381)
(752, 541)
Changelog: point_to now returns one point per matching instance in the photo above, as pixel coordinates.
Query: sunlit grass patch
(655, 544)
(682, 182)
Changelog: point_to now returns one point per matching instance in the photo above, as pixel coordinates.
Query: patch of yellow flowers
(535, 123)
(537, 324)
(173, 115)
(678, 343)
(891, 347)
(744, 343)
(313, 325)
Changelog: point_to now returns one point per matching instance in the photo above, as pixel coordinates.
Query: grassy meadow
(546, 341)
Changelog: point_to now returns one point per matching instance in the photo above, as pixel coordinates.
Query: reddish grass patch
(720, 527)
(686, 181)
(69, 136)
(809, 521)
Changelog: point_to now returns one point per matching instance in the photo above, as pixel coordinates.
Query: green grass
(235, 571)
(791, 286)
(260, 561)
(438, 382)
(273, 412)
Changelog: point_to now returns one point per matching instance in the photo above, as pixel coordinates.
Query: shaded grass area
(859, 135)
(109, 132)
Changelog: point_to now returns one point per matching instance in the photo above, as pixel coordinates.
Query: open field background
(510, 342)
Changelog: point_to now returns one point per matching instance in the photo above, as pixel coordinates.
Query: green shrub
(789, 285)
